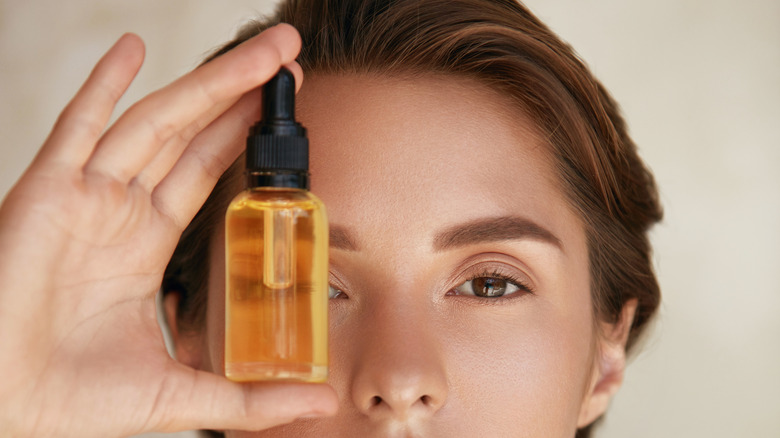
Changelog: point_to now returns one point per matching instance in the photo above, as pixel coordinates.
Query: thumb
(191, 399)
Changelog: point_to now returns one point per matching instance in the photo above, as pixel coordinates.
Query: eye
(334, 293)
(490, 286)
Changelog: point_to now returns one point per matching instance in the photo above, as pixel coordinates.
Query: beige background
(700, 85)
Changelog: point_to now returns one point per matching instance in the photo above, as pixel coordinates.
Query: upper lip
(400, 429)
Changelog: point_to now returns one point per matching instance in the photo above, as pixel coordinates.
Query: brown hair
(500, 43)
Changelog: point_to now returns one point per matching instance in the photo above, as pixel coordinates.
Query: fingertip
(298, 400)
(130, 45)
(287, 38)
(133, 40)
(192, 399)
(327, 402)
(131, 36)
(289, 28)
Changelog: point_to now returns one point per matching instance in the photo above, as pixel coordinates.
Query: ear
(610, 363)
(187, 346)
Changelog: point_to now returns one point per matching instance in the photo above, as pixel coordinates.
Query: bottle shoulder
(276, 198)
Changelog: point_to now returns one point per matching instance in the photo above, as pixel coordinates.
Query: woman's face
(438, 192)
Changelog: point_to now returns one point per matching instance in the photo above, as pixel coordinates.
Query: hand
(85, 236)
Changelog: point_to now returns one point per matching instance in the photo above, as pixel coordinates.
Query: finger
(182, 192)
(83, 120)
(136, 138)
(171, 151)
(162, 163)
(202, 400)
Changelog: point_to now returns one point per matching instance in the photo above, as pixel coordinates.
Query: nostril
(425, 400)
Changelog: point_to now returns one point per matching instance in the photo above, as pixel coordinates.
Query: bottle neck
(277, 178)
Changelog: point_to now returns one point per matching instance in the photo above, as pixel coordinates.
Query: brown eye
(488, 287)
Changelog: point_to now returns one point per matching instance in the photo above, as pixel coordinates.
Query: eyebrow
(340, 238)
(491, 230)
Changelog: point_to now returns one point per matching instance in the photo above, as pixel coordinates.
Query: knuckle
(75, 119)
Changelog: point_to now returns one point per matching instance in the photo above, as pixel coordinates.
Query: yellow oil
(276, 309)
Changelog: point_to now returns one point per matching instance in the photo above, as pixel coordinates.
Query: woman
(489, 213)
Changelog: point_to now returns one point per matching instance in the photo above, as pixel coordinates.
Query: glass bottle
(276, 243)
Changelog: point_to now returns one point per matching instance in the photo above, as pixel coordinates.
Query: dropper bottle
(276, 242)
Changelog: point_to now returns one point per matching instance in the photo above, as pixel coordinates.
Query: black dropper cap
(277, 149)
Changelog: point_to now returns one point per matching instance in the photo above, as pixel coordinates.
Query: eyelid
(499, 263)
(335, 281)
(510, 277)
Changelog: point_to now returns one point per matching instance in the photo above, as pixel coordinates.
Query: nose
(400, 371)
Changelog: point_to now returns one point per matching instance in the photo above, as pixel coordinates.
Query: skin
(87, 231)
(85, 236)
(412, 353)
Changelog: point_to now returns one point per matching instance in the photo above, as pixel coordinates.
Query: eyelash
(523, 287)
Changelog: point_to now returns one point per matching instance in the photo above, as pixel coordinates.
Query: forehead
(440, 148)
(429, 120)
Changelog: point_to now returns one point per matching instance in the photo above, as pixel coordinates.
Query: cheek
(527, 366)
